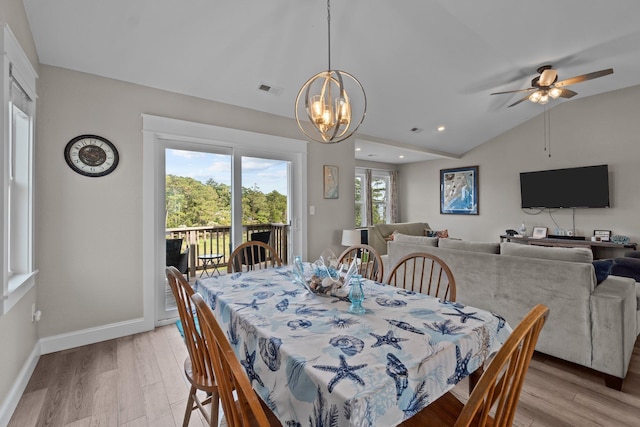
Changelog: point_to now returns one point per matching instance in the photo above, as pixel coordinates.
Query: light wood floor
(137, 381)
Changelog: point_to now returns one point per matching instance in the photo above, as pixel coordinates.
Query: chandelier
(329, 108)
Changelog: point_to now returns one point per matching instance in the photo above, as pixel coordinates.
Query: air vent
(270, 89)
(416, 130)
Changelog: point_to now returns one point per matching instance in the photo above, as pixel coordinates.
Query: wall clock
(91, 155)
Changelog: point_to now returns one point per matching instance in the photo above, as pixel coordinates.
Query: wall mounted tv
(583, 187)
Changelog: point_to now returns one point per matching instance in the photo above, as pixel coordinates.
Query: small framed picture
(330, 182)
(539, 232)
(604, 235)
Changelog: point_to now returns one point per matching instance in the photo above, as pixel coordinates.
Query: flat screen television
(582, 187)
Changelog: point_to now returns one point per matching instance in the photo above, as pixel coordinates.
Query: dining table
(314, 363)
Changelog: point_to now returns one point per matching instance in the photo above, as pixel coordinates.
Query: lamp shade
(351, 237)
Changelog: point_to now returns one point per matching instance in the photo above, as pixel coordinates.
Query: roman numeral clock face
(91, 155)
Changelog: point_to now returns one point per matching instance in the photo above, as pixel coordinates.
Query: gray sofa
(594, 325)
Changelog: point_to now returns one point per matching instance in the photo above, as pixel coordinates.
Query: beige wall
(17, 334)
(601, 129)
(89, 229)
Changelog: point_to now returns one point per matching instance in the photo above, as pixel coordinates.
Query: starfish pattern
(343, 371)
(462, 369)
(463, 316)
(387, 339)
(253, 304)
(292, 293)
(248, 366)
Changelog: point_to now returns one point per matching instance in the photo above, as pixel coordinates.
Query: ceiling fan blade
(566, 93)
(514, 91)
(520, 100)
(547, 77)
(584, 77)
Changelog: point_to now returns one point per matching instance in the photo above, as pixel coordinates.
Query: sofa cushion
(583, 255)
(490, 248)
(417, 240)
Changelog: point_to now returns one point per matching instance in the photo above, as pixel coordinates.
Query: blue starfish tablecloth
(315, 364)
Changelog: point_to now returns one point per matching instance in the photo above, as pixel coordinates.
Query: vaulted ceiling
(423, 63)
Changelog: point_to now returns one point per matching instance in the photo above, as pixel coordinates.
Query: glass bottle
(523, 229)
(356, 294)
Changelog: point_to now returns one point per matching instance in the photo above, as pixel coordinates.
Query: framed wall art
(459, 191)
(330, 182)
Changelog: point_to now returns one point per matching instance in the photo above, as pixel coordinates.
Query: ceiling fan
(546, 85)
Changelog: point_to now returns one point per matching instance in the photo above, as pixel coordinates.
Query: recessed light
(358, 149)
(441, 128)
(401, 156)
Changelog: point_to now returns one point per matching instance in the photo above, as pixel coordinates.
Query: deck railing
(208, 240)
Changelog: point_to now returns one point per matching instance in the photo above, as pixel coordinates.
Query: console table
(600, 250)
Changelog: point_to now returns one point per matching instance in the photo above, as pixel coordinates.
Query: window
(373, 201)
(18, 112)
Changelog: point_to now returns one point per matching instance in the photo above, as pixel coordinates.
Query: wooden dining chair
(253, 255)
(494, 399)
(424, 273)
(369, 261)
(243, 408)
(198, 367)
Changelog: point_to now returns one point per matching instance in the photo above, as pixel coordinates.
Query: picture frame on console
(459, 191)
(602, 235)
(539, 232)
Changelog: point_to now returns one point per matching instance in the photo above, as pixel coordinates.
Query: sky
(267, 174)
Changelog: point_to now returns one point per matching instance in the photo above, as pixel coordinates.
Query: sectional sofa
(591, 324)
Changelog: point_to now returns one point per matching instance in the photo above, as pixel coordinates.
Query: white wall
(601, 129)
(17, 334)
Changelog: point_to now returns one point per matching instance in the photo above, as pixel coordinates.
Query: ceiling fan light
(535, 97)
(543, 99)
(555, 92)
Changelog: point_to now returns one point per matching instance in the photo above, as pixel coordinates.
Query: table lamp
(351, 237)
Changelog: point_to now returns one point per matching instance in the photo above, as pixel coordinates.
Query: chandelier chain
(329, 32)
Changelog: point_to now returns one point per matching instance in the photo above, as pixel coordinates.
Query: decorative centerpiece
(325, 276)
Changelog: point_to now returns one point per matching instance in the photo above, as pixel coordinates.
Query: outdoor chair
(177, 259)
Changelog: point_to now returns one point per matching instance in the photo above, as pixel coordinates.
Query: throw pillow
(392, 236)
(603, 269)
(626, 267)
(443, 233)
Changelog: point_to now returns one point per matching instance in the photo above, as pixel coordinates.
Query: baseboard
(93, 335)
(13, 397)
